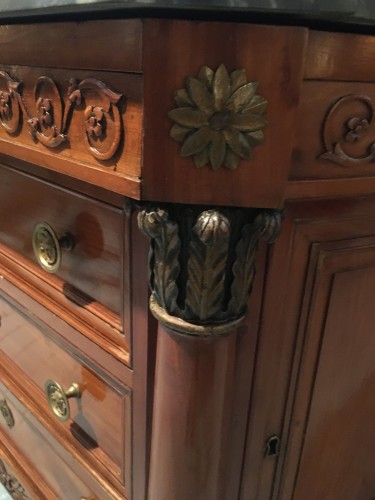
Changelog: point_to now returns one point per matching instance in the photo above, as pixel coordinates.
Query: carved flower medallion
(219, 118)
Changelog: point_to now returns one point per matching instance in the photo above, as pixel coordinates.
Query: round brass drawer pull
(47, 246)
(58, 399)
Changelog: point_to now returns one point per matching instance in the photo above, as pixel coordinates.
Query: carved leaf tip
(269, 224)
(212, 228)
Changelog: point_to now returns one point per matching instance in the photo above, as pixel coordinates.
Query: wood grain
(93, 266)
(110, 45)
(40, 457)
(126, 159)
(41, 358)
(317, 98)
(259, 182)
(340, 57)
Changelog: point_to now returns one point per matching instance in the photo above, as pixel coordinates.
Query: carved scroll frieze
(347, 125)
(218, 118)
(11, 484)
(50, 122)
(202, 263)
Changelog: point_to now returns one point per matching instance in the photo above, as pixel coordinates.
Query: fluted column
(202, 266)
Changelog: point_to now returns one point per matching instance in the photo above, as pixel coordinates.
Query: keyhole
(272, 446)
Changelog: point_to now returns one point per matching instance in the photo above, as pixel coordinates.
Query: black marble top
(309, 12)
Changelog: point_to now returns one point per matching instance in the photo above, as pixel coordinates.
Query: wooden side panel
(175, 50)
(283, 328)
(337, 456)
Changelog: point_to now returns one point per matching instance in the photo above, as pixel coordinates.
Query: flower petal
(247, 122)
(353, 122)
(196, 141)
(87, 112)
(242, 96)
(206, 75)
(201, 158)
(221, 87)
(217, 151)
(187, 117)
(255, 138)
(179, 133)
(238, 79)
(238, 143)
(200, 95)
(257, 105)
(231, 160)
(182, 99)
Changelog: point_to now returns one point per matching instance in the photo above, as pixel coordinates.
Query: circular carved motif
(218, 118)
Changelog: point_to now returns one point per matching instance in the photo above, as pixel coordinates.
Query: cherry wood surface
(111, 45)
(171, 50)
(94, 265)
(125, 160)
(315, 234)
(339, 56)
(40, 453)
(317, 98)
(40, 358)
(191, 416)
(47, 465)
(165, 416)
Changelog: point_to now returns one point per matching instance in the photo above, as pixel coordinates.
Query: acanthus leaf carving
(337, 136)
(202, 263)
(165, 247)
(206, 266)
(50, 124)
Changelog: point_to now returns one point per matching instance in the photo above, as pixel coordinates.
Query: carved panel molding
(50, 122)
(342, 129)
(202, 264)
(11, 484)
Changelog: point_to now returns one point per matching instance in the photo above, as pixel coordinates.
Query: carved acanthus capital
(202, 263)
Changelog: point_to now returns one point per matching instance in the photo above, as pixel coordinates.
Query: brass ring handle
(58, 399)
(47, 246)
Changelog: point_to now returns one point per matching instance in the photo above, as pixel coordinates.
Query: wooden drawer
(72, 109)
(99, 425)
(92, 271)
(36, 448)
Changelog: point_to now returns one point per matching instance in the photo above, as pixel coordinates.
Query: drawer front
(37, 450)
(92, 270)
(336, 131)
(99, 423)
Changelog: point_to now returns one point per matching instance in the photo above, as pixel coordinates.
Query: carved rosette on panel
(11, 484)
(218, 118)
(101, 127)
(202, 264)
(346, 127)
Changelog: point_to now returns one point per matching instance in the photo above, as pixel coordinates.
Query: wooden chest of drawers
(144, 166)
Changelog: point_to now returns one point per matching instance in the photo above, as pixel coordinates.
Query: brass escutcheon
(7, 413)
(47, 246)
(58, 399)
